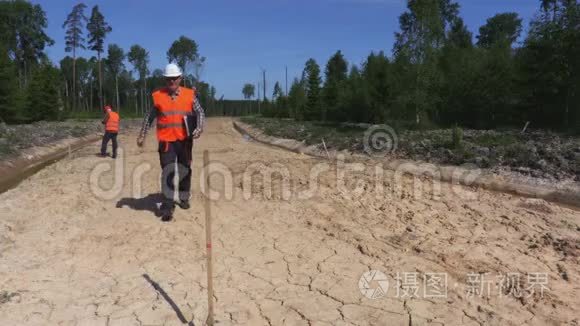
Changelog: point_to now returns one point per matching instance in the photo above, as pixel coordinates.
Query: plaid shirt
(106, 118)
(152, 114)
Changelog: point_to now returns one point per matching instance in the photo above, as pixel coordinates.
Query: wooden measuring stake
(207, 203)
(325, 149)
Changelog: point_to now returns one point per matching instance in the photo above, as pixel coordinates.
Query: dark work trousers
(109, 136)
(175, 157)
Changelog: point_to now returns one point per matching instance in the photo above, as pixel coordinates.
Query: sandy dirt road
(68, 256)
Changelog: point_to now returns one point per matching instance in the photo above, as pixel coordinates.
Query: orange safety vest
(113, 122)
(170, 113)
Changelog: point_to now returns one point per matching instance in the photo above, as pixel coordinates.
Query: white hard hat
(172, 70)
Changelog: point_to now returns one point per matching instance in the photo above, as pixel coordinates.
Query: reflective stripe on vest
(173, 112)
(169, 125)
(170, 113)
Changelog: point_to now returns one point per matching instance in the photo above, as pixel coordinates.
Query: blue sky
(239, 38)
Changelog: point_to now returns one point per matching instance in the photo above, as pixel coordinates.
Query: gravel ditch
(14, 138)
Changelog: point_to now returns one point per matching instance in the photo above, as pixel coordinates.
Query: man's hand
(140, 141)
(196, 133)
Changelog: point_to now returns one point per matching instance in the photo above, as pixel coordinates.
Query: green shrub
(495, 140)
(457, 138)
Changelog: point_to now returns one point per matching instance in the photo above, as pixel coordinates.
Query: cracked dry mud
(68, 257)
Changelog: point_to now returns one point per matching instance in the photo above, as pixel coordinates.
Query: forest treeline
(33, 88)
(439, 74)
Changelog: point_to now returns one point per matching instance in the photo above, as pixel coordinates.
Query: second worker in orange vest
(111, 122)
(170, 105)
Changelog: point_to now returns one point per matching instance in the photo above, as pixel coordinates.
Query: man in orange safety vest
(111, 122)
(180, 120)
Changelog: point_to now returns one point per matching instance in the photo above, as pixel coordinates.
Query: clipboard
(190, 122)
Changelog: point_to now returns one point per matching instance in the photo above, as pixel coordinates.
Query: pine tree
(353, 102)
(313, 108)
(418, 43)
(248, 90)
(277, 91)
(43, 94)
(8, 87)
(114, 62)
(376, 74)
(297, 99)
(335, 77)
(98, 30)
(550, 66)
(184, 52)
(74, 40)
(139, 58)
(459, 36)
(22, 33)
(501, 30)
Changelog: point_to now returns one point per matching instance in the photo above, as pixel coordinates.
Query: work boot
(167, 212)
(167, 216)
(184, 204)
